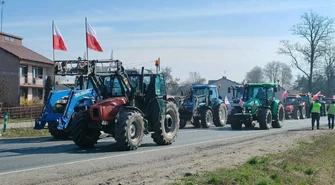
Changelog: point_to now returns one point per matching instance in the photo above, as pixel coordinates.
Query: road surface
(45, 160)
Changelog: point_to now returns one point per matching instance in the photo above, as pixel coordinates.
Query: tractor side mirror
(220, 97)
(182, 93)
(229, 90)
(164, 97)
(210, 92)
(275, 89)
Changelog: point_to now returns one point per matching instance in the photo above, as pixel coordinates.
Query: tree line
(314, 57)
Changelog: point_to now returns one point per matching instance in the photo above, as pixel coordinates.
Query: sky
(214, 37)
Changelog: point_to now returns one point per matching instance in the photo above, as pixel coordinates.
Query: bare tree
(315, 29)
(255, 75)
(329, 65)
(286, 76)
(195, 78)
(171, 84)
(272, 70)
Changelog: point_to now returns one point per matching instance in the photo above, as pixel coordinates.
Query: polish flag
(284, 95)
(226, 101)
(241, 102)
(91, 39)
(58, 42)
(316, 96)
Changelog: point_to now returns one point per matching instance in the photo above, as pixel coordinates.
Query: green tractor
(259, 104)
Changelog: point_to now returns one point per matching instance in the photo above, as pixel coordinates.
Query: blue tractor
(62, 105)
(203, 107)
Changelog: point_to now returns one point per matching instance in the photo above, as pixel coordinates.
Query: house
(225, 83)
(24, 70)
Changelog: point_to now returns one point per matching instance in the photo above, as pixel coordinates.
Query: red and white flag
(241, 102)
(283, 96)
(91, 39)
(316, 96)
(57, 39)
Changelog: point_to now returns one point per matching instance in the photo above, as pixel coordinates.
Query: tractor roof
(203, 86)
(261, 84)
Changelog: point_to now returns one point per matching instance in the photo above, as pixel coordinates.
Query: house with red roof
(23, 69)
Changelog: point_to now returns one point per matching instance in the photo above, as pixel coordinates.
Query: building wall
(223, 90)
(9, 69)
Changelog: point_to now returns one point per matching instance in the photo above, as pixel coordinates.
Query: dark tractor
(307, 99)
(203, 108)
(294, 107)
(133, 104)
(259, 104)
(237, 91)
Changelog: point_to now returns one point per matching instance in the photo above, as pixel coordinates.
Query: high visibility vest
(316, 107)
(331, 109)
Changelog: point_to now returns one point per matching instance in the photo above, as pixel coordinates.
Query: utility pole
(2, 3)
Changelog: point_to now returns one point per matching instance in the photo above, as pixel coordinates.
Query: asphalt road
(22, 155)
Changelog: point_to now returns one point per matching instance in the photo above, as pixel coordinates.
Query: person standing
(331, 115)
(316, 110)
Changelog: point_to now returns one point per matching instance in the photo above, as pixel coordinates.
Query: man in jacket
(315, 110)
(331, 114)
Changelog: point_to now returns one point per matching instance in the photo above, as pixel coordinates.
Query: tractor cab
(237, 91)
(264, 93)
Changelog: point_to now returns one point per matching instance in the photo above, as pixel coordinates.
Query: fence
(24, 112)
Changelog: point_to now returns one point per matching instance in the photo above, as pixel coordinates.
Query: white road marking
(146, 151)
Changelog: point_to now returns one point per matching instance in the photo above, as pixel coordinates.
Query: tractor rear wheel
(220, 115)
(279, 119)
(129, 129)
(206, 118)
(165, 131)
(296, 113)
(82, 135)
(265, 118)
(303, 113)
(182, 123)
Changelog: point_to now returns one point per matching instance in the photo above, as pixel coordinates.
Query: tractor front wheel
(220, 115)
(265, 118)
(82, 135)
(129, 130)
(182, 123)
(206, 118)
(59, 134)
(196, 122)
(165, 131)
(279, 119)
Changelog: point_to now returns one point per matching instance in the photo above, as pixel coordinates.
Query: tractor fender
(274, 107)
(129, 108)
(217, 102)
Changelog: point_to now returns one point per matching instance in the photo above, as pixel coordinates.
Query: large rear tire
(165, 131)
(220, 115)
(279, 119)
(303, 113)
(265, 118)
(129, 130)
(83, 136)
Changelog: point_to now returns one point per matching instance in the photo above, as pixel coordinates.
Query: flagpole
(88, 63)
(53, 41)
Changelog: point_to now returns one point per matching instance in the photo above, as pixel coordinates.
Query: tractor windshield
(199, 92)
(305, 99)
(113, 87)
(290, 101)
(261, 93)
(239, 93)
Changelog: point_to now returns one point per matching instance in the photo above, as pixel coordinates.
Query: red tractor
(133, 104)
(294, 107)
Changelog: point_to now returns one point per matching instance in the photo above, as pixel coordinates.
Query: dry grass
(24, 132)
(309, 163)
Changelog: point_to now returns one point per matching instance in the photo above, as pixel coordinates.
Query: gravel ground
(165, 168)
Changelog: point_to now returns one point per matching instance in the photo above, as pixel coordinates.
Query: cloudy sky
(214, 37)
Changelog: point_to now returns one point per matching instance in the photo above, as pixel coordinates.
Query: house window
(38, 72)
(24, 73)
(9, 39)
(38, 93)
(24, 92)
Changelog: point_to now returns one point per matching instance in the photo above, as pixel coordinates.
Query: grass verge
(17, 120)
(308, 163)
(24, 132)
